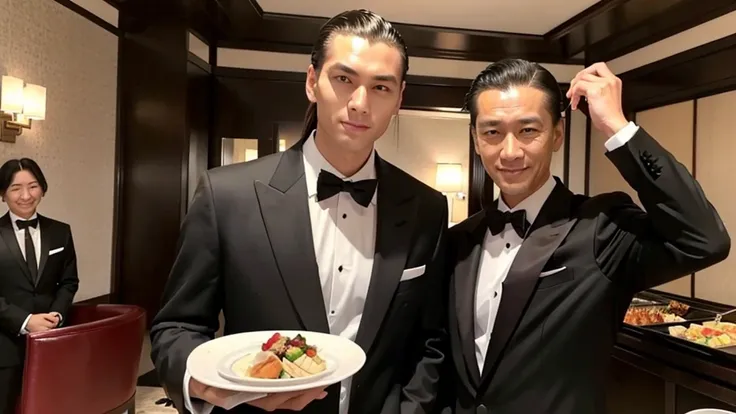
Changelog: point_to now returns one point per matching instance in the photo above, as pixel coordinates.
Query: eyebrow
(347, 69)
(524, 121)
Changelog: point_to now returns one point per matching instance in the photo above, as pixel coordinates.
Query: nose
(511, 149)
(359, 101)
(25, 194)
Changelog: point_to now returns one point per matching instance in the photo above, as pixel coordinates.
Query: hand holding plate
(295, 401)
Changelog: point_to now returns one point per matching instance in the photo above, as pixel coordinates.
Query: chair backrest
(90, 365)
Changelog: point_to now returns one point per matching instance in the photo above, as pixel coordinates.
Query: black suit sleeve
(420, 392)
(69, 280)
(679, 233)
(11, 318)
(193, 296)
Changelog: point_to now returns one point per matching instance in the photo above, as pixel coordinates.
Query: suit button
(482, 409)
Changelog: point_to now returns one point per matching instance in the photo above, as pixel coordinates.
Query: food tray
(662, 331)
(693, 315)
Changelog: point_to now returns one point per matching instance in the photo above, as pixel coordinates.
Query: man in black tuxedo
(283, 242)
(38, 271)
(542, 278)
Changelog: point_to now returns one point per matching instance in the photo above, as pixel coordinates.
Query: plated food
(710, 334)
(283, 357)
(652, 315)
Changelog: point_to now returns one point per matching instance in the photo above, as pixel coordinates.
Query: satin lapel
(285, 213)
(45, 227)
(547, 233)
(395, 222)
(465, 282)
(8, 234)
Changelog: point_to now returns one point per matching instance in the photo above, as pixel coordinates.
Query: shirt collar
(314, 162)
(13, 218)
(532, 204)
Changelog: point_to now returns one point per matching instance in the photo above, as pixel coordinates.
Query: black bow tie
(497, 220)
(24, 224)
(329, 184)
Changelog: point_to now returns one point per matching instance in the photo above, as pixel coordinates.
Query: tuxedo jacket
(20, 296)
(246, 248)
(552, 338)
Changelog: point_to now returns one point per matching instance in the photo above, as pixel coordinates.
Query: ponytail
(310, 121)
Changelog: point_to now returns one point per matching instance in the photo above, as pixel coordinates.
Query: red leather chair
(88, 366)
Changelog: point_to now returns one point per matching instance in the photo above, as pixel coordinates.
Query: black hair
(507, 73)
(361, 23)
(12, 167)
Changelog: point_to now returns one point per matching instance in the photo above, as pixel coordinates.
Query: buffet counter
(659, 366)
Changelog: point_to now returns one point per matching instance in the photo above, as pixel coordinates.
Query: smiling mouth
(354, 126)
(513, 172)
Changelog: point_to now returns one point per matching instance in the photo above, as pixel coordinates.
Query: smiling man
(38, 271)
(325, 237)
(542, 277)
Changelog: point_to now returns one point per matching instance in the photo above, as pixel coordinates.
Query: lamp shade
(34, 102)
(11, 100)
(449, 178)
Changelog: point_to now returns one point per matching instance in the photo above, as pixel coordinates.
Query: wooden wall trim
(699, 72)
(694, 173)
(566, 150)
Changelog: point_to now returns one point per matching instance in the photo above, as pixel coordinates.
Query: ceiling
(535, 17)
(549, 31)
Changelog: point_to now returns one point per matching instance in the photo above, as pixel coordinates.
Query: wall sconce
(449, 179)
(20, 104)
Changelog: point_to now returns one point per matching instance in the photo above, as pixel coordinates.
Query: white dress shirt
(20, 235)
(344, 234)
(500, 250)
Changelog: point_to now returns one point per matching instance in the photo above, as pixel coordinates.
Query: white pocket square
(412, 273)
(55, 251)
(553, 271)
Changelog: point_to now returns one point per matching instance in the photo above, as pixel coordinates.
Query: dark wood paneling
(608, 29)
(199, 104)
(296, 34)
(687, 400)
(155, 148)
(696, 73)
(613, 28)
(630, 390)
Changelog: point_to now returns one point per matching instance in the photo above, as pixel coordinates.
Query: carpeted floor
(148, 400)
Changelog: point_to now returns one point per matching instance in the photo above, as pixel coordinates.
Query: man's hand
(295, 401)
(41, 322)
(602, 89)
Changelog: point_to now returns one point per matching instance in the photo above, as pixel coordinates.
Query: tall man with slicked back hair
(326, 236)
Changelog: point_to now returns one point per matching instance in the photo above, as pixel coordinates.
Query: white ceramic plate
(232, 365)
(209, 361)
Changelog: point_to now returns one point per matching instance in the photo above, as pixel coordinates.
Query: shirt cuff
(194, 407)
(23, 330)
(623, 136)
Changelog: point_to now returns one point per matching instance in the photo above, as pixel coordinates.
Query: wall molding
(420, 66)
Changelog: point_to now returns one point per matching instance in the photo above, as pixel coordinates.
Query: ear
(558, 135)
(311, 84)
(401, 97)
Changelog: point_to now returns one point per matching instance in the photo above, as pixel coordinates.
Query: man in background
(38, 271)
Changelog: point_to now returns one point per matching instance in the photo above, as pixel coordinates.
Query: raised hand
(602, 89)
